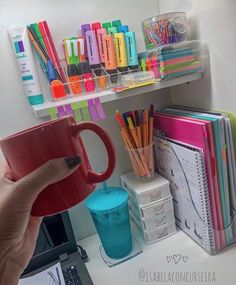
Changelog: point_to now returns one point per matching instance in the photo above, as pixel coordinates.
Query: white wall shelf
(41, 110)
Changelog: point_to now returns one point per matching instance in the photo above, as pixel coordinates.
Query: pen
(85, 71)
(84, 29)
(100, 35)
(131, 49)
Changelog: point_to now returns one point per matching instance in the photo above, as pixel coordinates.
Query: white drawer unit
(146, 190)
(153, 209)
(151, 223)
(158, 234)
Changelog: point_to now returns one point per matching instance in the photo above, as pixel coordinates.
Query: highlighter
(81, 49)
(92, 49)
(85, 71)
(57, 87)
(106, 26)
(110, 57)
(121, 56)
(84, 29)
(100, 35)
(71, 51)
(96, 26)
(116, 23)
(112, 31)
(131, 50)
(123, 29)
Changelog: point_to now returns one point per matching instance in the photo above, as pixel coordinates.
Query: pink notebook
(200, 135)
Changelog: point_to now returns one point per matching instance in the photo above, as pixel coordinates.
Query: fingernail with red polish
(72, 161)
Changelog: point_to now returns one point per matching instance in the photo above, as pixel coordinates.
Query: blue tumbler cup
(109, 209)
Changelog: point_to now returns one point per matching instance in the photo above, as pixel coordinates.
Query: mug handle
(92, 176)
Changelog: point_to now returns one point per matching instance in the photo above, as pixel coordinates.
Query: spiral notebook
(184, 166)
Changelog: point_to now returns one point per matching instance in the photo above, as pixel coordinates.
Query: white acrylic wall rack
(42, 110)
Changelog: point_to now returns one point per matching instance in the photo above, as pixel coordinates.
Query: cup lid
(106, 199)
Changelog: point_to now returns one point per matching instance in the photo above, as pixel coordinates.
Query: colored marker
(154, 63)
(131, 49)
(116, 23)
(81, 48)
(143, 64)
(100, 35)
(148, 64)
(84, 29)
(96, 26)
(112, 31)
(93, 55)
(121, 56)
(123, 29)
(106, 26)
(57, 87)
(71, 50)
(110, 57)
(85, 71)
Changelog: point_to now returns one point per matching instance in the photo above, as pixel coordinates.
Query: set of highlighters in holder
(94, 61)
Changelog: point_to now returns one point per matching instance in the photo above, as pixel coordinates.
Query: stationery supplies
(22, 50)
(137, 79)
(92, 49)
(100, 35)
(184, 166)
(219, 135)
(116, 23)
(106, 25)
(71, 55)
(121, 55)
(164, 29)
(180, 59)
(123, 29)
(86, 74)
(134, 131)
(131, 50)
(110, 57)
(195, 133)
(84, 29)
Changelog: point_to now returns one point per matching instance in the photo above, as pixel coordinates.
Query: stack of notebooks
(195, 151)
(150, 206)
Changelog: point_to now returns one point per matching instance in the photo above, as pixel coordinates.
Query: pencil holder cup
(164, 29)
(142, 160)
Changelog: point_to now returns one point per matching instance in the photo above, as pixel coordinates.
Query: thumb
(29, 187)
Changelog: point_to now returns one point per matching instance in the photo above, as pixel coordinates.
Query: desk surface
(175, 260)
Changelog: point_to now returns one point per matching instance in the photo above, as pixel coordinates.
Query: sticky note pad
(77, 113)
(100, 110)
(61, 111)
(52, 113)
(92, 110)
(68, 110)
(84, 110)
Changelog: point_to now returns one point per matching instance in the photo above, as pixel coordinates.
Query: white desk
(153, 261)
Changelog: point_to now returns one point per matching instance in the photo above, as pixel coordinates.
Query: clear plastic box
(165, 29)
(173, 60)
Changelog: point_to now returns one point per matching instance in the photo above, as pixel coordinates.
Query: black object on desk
(56, 242)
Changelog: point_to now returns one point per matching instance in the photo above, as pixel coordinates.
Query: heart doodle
(177, 258)
(169, 258)
(185, 258)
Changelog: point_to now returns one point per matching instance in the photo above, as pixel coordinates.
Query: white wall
(65, 18)
(214, 23)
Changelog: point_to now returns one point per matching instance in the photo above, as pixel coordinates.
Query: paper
(184, 167)
(75, 108)
(51, 276)
(53, 113)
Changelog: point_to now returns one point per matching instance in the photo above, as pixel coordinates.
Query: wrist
(10, 272)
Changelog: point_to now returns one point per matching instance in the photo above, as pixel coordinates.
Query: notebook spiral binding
(205, 203)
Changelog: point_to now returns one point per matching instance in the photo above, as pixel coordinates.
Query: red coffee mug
(27, 150)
